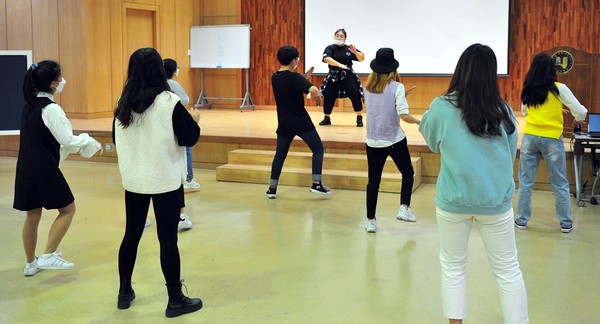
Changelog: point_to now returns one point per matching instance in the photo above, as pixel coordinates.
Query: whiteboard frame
(220, 46)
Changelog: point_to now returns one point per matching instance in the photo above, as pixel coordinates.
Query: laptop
(594, 125)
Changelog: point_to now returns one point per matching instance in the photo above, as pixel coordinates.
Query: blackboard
(13, 65)
(220, 46)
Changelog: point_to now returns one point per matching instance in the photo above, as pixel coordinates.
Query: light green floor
(300, 258)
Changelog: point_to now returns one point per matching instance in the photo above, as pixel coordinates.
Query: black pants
(376, 157)
(331, 93)
(284, 141)
(166, 210)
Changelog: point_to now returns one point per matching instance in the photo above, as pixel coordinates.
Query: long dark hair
(540, 80)
(146, 78)
(39, 78)
(474, 90)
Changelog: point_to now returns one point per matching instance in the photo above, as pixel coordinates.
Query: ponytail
(38, 78)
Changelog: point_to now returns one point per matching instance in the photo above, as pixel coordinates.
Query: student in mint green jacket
(474, 130)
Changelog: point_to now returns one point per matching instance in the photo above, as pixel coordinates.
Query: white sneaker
(371, 225)
(185, 222)
(191, 185)
(406, 214)
(148, 222)
(54, 261)
(31, 268)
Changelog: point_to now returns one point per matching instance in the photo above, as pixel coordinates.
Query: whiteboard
(222, 46)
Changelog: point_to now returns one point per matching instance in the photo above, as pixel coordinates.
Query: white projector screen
(427, 36)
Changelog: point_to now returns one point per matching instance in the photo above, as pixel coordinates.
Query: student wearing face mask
(341, 81)
(46, 138)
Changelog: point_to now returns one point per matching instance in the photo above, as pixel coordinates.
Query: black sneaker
(320, 189)
(325, 121)
(272, 193)
(359, 122)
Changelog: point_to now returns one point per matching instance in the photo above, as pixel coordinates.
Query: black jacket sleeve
(186, 129)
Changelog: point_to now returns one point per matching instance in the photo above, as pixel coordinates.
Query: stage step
(340, 171)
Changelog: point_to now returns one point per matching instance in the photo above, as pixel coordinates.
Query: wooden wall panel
(167, 23)
(19, 32)
(98, 70)
(73, 58)
(3, 26)
(227, 83)
(45, 24)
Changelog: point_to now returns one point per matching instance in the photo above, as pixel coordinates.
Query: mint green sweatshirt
(476, 173)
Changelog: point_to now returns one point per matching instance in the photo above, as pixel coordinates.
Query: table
(582, 141)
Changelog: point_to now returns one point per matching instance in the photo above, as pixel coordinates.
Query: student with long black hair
(543, 100)
(474, 130)
(46, 138)
(151, 131)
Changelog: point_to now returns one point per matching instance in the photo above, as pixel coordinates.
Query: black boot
(179, 304)
(325, 121)
(126, 294)
(359, 122)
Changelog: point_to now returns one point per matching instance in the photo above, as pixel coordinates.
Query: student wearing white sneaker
(46, 138)
(172, 70)
(385, 98)
(475, 132)
(151, 130)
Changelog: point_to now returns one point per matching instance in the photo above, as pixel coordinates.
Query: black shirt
(289, 89)
(341, 54)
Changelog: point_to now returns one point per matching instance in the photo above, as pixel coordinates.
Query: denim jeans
(190, 170)
(376, 157)
(533, 148)
(284, 141)
(498, 235)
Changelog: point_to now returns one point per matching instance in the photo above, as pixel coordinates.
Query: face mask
(176, 72)
(338, 42)
(60, 86)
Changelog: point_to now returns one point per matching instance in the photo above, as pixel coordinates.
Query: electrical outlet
(109, 147)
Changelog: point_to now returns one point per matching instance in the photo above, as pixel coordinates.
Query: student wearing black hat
(386, 105)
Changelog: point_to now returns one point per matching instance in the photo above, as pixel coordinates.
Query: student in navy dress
(341, 81)
(386, 105)
(46, 138)
(293, 120)
(151, 131)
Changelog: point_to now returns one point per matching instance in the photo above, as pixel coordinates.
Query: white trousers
(498, 235)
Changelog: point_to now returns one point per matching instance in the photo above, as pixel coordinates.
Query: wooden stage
(224, 130)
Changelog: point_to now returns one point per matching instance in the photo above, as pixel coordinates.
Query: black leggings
(376, 157)
(166, 210)
(331, 93)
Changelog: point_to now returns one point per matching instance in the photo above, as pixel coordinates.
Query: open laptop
(594, 125)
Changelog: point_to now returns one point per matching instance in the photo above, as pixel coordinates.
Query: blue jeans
(553, 151)
(284, 141)
(190, 171)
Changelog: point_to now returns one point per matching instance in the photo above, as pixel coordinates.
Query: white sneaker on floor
(148, 222)
(371, 225)
(406, 214)
(54, 261)
(191, 185)
(185, 222)
(31, 268)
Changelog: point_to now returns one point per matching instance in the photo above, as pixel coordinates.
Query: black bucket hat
(384, 61)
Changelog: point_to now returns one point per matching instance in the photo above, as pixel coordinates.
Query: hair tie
(34, 66)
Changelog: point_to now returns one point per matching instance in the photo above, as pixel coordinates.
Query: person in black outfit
(46, 138)
(151, 130)
(341, 81)
(292, 118)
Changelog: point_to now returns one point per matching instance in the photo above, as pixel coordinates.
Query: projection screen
(427, 36)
